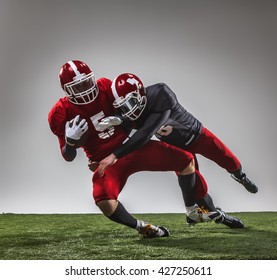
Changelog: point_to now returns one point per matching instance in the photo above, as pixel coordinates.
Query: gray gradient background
(218, 56)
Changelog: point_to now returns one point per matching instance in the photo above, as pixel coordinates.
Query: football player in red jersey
(156, 110)
(79, 113)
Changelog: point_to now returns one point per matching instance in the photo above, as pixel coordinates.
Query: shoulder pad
(165, 97)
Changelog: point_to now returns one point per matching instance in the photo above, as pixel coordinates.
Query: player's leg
(187, 183)
(105, 192)
(211, 147)
(205, 201)
(164, 157)
(186, 180)
(198, 189)
(115, 211)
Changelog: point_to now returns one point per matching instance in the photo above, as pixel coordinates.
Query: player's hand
(109, 122)
(104, 163)
(93, 165)
(77, 129)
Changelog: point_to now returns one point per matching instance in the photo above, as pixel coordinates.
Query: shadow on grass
(240, 244)
(93, 237)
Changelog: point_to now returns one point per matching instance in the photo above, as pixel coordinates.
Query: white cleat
(200, 215)
(149, 231)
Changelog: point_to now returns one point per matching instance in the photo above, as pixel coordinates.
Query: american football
(79, 143)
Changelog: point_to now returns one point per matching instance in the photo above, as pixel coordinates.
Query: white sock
(190, 208)
(140, 224)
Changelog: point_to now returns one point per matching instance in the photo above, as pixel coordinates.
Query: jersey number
(95, 121)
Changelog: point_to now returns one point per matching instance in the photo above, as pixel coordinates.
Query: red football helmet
(129, 94)
(78, 82)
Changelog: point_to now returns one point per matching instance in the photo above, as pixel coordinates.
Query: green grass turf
(94, 237)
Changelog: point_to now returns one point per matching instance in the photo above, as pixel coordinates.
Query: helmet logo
(133, 81)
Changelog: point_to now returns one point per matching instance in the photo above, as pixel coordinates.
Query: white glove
(77, 129)
(109, 122)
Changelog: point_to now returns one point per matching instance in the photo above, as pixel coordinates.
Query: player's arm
(143, 134)
(116, 120)
(137, 140)
(163, 101)
(67, 134)
(68, 152)
(74, 130)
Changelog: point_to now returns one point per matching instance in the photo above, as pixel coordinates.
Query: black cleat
(229, 221)
(202, 215)
(249, 185)
(190, 221)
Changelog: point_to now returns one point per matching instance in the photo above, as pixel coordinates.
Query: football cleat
(201, 215)
(249, 185)
(151, 231)
(190, 222)
(229, 221)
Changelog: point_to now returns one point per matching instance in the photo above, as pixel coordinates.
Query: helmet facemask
(82, 90)
(131, 106)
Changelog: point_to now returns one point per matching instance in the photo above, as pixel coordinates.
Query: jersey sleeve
(57, 120)
(143, 134)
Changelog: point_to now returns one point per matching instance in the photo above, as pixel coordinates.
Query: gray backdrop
(218, 56)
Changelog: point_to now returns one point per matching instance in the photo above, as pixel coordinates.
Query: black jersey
(162, 109)
(185, 126)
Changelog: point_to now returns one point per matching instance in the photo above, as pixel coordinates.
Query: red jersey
(100, 143)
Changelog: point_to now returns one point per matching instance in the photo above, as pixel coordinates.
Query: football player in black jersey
(155, 110)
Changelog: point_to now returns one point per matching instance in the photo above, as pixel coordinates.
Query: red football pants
(211, 147)
(154, 156)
